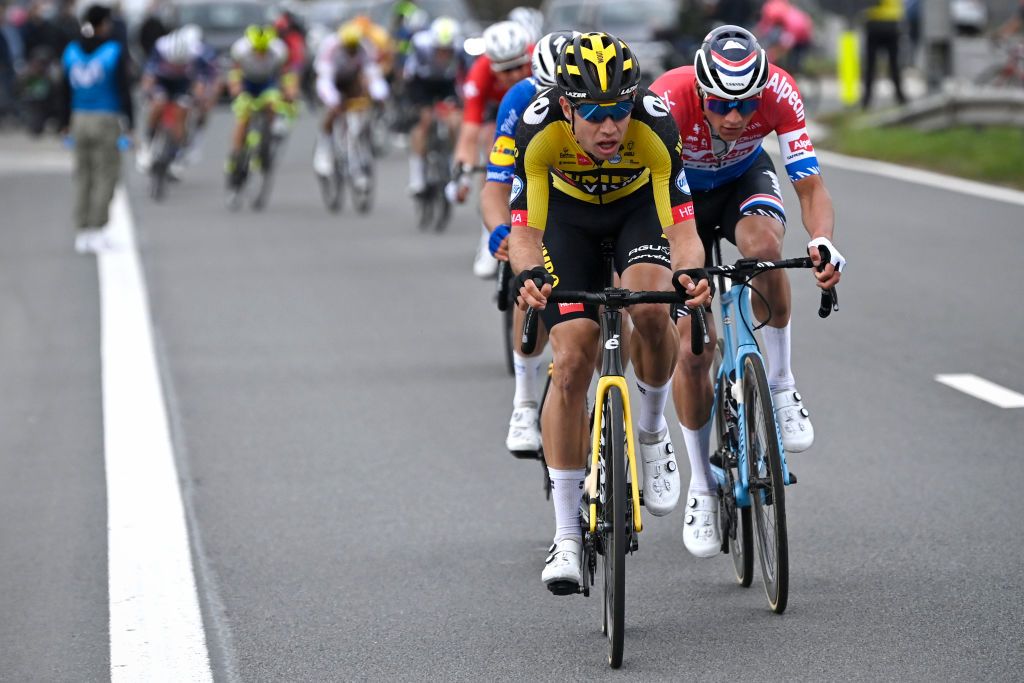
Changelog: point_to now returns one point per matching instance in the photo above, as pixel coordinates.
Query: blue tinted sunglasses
(723, 107)
(599, 111)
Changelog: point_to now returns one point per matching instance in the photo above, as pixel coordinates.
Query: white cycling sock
(777, 354)
(417, 171)
(527, 369)
(652, 407)
(566, 493)
(698, 444)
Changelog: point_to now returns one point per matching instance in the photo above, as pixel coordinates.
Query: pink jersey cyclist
(781, 111)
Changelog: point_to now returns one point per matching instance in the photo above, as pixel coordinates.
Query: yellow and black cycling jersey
(548, 156)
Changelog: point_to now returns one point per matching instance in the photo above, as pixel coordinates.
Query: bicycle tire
(613, 524)
(736, 523)
(764, 464)
(159, 166)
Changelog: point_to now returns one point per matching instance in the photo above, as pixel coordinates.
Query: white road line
(156, 629)
(979, 387)
(914, 175)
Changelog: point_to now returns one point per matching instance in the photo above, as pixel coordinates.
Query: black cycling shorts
(572, 244)
(717, 211)
(425, 92)
(756, 192)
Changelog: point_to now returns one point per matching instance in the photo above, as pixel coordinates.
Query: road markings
(913, 175)
(979, 387)
(156, 629)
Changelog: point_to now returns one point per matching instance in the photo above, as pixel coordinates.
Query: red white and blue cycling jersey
(781, 111)
(501, 164)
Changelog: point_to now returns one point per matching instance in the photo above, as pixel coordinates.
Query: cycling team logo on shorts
(517, 188)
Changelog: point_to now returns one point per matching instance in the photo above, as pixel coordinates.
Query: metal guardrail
(965, 106)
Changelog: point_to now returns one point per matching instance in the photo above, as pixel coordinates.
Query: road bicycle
(259, 152)
(164, 148)
(433, 207)
(749, 461)
(610, 517)
(353, 165)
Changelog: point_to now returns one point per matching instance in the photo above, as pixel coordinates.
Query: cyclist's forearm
(685, 248)
(816, 207)
(494, 204)
(524, 248)
(465, 149)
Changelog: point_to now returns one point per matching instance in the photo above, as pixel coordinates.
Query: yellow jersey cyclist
(598, 157)
(261, 60)
(346, 74)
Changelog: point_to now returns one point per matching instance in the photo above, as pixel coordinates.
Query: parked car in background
(638, 22)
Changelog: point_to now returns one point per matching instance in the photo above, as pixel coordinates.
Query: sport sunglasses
(599, 111)
(723, 107)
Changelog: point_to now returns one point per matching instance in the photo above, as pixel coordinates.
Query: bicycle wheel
(612, 523)
(764, 465)
(735, 520)
(161, 148)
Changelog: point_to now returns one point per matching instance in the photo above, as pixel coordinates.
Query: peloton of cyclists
(724, 106)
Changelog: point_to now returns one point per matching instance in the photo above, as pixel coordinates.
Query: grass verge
(990, 154)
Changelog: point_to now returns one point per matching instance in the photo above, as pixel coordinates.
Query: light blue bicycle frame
(739, 343)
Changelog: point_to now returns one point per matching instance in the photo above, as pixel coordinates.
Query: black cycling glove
(537, 274)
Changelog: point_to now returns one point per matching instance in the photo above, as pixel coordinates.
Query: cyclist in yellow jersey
(598, 157)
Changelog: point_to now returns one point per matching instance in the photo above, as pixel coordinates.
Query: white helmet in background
(445, 32)
(545, 55)
(530, 18)
(506, 45)
(178, 47)
(417, 21)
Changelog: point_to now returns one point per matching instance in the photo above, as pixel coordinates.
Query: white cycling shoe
(701, 533)
(562, 571)
(323, 160)
(661, 474)
(484, 265)
(524, 430)
(793, 419)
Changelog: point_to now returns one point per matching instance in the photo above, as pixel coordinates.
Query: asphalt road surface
(338, 401)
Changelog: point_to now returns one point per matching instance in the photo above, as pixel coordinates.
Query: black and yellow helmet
(597, 66)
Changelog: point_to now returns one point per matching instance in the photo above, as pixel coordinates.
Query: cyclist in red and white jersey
(505, 62)
(724, 106)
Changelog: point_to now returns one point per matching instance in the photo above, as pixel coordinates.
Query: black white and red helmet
(731, 64)
(506, 44)
(545, 55)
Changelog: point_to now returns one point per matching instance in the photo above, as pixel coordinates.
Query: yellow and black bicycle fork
(612, 375)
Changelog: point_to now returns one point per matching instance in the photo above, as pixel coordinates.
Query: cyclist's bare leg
(238, 136)
(761, 237)
(692, 391)
(654, 340)
(418, 135)
(574, 344)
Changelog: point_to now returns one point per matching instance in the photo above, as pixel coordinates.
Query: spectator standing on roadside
(882, 36)
(97, 96)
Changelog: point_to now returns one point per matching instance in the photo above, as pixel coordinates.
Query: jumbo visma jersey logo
(503, 153)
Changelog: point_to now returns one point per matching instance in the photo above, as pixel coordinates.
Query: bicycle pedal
(564, 588)
(792, 477)
(526, 455)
